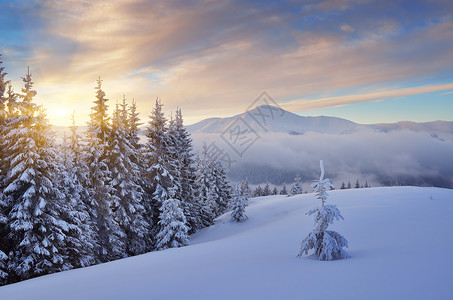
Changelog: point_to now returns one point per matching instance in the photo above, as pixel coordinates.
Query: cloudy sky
(367, 61)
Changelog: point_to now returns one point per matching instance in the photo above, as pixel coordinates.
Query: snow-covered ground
(400, 240)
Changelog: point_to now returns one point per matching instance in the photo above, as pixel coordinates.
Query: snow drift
(399, 241)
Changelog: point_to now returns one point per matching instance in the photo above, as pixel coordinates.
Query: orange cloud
(329, 102)
(217, 57)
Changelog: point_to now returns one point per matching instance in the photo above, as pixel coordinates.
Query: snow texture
(389, 262)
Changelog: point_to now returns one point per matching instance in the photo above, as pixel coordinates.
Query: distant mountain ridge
(267, 118)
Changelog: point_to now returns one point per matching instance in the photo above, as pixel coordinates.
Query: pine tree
(110, 237)
(238, 204)
(219, 189)
(81, 245)
(133, 128)
(275, 191)
(258, 191)
(366, 184)
(160, 163)
(186, 173)
(349, 185)
(327, 244)
(297, 186)
(36, 232)
(266, 190)
(343, 186)
(245, 189)
(3, 115)
(3, 168)
(11, 123)
(213, 189)
(128, 195)
(357, 184)
(283, 190)
(203, 186)
(172, 222)
(3, 268)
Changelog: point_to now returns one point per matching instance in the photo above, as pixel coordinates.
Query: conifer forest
(100, 195)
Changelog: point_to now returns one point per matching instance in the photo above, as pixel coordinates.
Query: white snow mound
(400, 242)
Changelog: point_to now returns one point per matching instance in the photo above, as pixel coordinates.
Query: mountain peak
(267, 118)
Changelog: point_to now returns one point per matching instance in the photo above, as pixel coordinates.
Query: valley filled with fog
(404, 153)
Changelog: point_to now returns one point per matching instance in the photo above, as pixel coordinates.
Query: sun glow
(59, 116)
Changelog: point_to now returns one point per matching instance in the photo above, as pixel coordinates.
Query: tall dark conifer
(3, 220)
(186, 172)
(110, 237)
(36, 231)
(159, 162)
(129, 210)
(82, 243)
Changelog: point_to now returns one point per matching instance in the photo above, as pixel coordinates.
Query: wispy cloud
(329, 102)
(210, 57)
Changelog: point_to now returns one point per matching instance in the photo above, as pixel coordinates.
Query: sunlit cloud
(329, 102)
(215, 58)
(347, 28)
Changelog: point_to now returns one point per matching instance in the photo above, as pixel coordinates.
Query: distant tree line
(101, 195)
(357, 185)
(296, 189)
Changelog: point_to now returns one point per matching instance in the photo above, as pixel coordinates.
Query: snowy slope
(400, 243)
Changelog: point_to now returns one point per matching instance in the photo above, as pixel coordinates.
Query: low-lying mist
(399, 157)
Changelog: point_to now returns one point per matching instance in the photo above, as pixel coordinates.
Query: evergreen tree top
(3, 82)
(133, 116)
(27, 90)
(157, 121)
(98, 125)
(322, 185)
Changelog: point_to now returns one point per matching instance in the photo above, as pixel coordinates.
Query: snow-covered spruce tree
(36, 232)
(160, 165)
(283, 190)
(327, 244)
(297, 186)
(274, 191)
(3, 220)
(258, 192)
(10, 123)
(172, 224)
(203, 184)
(3, 268)
(110, 237)
(220, 188)
(128, 195)
(133, 122)
(238, 204)
(81, 244)
(3, 102)
(213, 187)
(186, 172)
(245, 189)
(267, 189)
